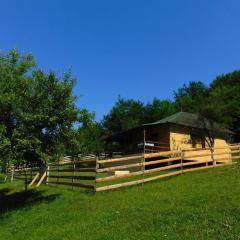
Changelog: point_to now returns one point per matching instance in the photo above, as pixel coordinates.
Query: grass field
(199, 205)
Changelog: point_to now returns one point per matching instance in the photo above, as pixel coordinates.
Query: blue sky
(136, 49)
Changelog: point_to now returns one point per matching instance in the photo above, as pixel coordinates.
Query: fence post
(6, 173)
(207, 160)
(12, 173)
(31, 173)
(143, 168)
(143, 157)
(58, 171)
(73, 175)
(182, 156)
(96, 174)
(26, 179)
(238, 159)
(47, 172)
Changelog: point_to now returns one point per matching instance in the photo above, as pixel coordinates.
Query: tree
(87, 138)
(209, 116)
(124, 115)
(210, 107)
(191, 96)
(158, 109)
(37, 110)
(225, 89)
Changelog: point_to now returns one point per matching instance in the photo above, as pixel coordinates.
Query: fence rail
(99, 174)
(157, 165)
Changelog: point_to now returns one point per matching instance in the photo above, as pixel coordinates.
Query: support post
(47, 172)
(143, 157)
(58, 172)
(182, 157)
(12, 173)
(42, 179)
(207, 161)
(238, 160)
(73, 176)
(212, 156)
(143, 168)
(96, 174)
(31, 177)
(6, 173)
(34, 179)
(26, 179)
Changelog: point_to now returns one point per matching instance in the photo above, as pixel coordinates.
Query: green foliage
(158, 109)
(130, 113)
(225, 89)
(37, 109)
(191, 96)
(88, 137)
(220, 102)
(124, 115)
(198, 98)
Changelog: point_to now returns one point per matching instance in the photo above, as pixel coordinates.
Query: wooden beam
(205, 155)
(76, 170)
(74, 177)
(135, 182)
(110, 169)
(158, 154)
(42, 179)
(34, 179)
(205, 167)
(72, 184)
(71, 163)
(98, 189)
(104, 179)
(235, 151)
(115, 186)
(120, 159)
(162, 161)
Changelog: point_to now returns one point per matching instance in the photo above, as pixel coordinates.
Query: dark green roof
(185, 119)
(181, 118)
(188, 120)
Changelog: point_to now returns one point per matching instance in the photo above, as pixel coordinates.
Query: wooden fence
(77, 172)
(152, 166)
(25, 173)
(98, 174)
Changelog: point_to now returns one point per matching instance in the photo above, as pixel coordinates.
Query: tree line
(40, 121)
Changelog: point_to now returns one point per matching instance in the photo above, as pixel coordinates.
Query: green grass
(199, 205)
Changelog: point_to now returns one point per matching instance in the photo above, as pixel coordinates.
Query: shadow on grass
(17, 200)
(89, 192)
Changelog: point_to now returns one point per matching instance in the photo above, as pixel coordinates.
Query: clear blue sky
(133, 48)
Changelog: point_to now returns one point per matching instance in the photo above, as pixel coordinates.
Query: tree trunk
(212, 155)
(26, 180)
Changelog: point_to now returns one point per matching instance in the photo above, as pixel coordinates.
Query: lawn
(199, 205)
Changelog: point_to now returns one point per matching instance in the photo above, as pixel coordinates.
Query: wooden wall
(180, 138)
(159, 134)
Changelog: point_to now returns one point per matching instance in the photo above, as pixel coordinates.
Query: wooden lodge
(176, 132)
